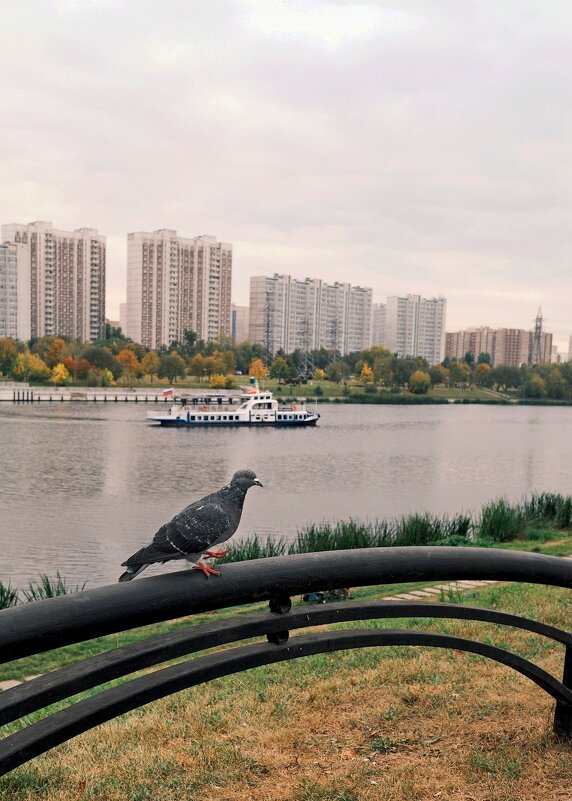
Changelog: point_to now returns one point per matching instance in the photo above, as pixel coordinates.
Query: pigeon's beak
(258, 483)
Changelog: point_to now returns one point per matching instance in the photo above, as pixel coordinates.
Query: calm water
(82, 486)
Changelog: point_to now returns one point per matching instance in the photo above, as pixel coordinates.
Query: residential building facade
(288, 314)
(60, 284)
(177, 284)
(415, 326)
(9, 292)
(508, 347)
(240, 316)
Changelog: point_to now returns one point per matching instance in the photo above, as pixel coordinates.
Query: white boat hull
(254, 408)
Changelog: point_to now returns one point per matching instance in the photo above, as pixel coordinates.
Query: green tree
(459, 373)
(482, 371)
(197, 366)
(280, 369)
(103, 359)
(404, 369)
(8, 355)
(171, 367)
(338, 371)
(534, 387)
(484, 358)
(438, 375)
(505, 377)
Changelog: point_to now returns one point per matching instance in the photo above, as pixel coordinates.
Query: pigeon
(193, 532)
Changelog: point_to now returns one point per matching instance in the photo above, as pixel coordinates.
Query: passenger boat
(254, 407)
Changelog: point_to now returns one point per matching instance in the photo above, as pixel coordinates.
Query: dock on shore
(21, 393)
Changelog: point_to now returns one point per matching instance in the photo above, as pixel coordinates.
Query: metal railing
(39, 627)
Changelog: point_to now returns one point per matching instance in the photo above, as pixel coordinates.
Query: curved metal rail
(38, 627)
(72, 679)
(63, 725)
(32, 628)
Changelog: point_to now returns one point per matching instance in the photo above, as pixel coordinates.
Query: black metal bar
(63, 725)
(56, 685)
(36, 627)
(563, 713)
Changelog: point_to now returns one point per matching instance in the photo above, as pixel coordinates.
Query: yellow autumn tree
(419, 382)
(29, 366)
(129, 361)
(150, 364)
(258, 369)
(60, 375)
(319, 374)
(366, 375)
(55, 354)
(217, 381)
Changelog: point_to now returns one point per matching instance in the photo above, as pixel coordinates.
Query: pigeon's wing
(196, 528)
(189, 533)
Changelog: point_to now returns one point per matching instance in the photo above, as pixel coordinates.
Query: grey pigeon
(194, 531)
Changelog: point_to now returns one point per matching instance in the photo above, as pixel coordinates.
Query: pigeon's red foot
(206, 569)
(217, 554)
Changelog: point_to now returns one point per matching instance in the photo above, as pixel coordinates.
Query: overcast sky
(418, 146)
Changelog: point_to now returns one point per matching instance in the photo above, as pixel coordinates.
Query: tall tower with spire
(535, 355)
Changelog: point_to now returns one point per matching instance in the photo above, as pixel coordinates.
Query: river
(85, 485)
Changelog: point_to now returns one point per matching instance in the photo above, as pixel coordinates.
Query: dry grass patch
(395, 724)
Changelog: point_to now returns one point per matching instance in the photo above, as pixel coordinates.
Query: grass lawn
(402, 724)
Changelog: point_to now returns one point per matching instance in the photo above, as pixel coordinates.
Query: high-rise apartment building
(414, 326)
(472, 340)
(508, 347)
(177, 284)
(240, 316)
(378, 323)
(9, 292)
(60, 284)
(289, 314)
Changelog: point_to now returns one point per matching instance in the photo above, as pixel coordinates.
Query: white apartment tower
(9, 293)
(240, 316)
(288, 314)
(415, 326)
(60, 283)
(177, 284)
(378, 324)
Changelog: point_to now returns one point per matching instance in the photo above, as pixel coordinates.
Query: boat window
(192, 417)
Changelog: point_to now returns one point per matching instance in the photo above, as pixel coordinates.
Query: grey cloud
(428, 154)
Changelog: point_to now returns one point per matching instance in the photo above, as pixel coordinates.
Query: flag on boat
(167, 392)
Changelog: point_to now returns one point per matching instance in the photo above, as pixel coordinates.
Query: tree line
(117, 360)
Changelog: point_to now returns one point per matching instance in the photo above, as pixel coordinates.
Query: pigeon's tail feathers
(131, 572)
(151, 554)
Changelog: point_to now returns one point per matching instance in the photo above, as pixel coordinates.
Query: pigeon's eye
(245, 475)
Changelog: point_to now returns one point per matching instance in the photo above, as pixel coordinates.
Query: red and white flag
(167, 392)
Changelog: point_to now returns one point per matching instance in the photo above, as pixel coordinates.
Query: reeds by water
(498, 521)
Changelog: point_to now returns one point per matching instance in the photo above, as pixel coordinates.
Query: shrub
(500, 521)
(8, 596)
(47, 587)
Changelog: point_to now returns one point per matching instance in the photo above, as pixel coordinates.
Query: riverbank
(314, 391)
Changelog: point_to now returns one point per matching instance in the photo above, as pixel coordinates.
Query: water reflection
(83, 486)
